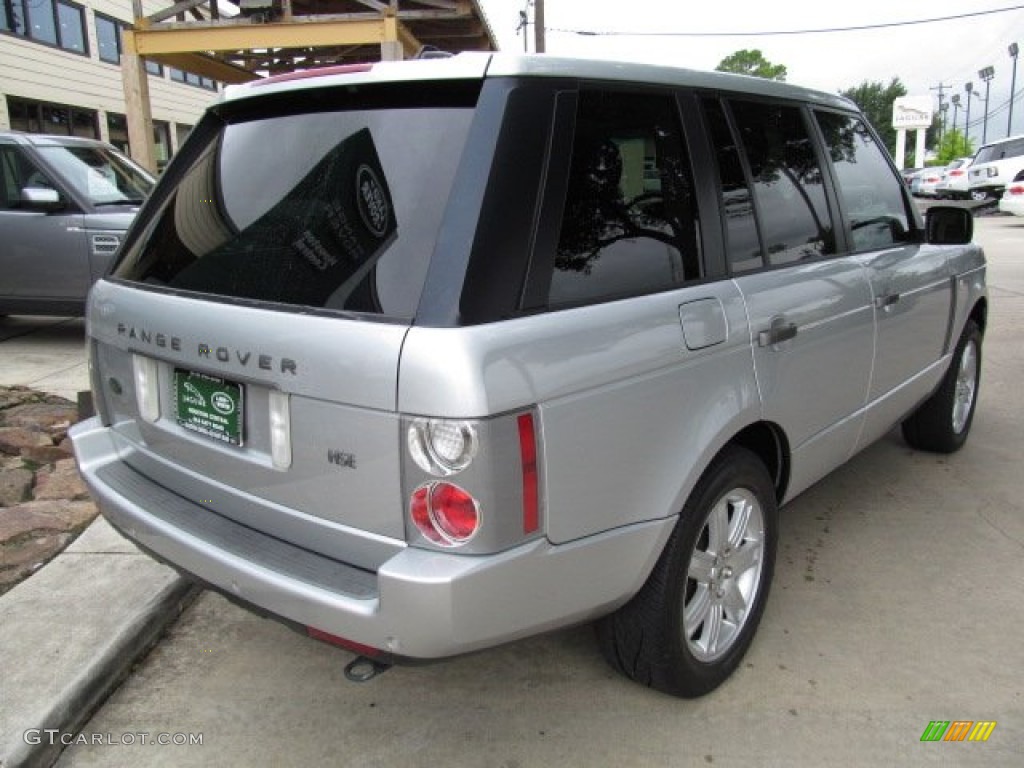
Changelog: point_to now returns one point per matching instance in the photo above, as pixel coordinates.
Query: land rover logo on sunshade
(373, 204)
(223, 403)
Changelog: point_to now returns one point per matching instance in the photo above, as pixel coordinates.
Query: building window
(181, 133)
(189, 78)
(42, 117)
(154, 68)
(162, 142)
(108, 39)
(55, 22)
(117, 131)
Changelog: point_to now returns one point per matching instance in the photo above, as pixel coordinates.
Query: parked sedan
(954, 180)
(65, 203)
(1012, 200)
(925, 182)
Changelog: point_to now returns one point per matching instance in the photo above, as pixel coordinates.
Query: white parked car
(995, 165)
(926, 181)
(954, 181)
(1012, 200)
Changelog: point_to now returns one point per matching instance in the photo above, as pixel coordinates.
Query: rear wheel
(943, 421)
(689, 626)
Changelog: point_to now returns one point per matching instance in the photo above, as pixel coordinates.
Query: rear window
(1001, 151)
(336, 210)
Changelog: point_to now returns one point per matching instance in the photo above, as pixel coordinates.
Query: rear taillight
(528, 458)
(442, 447)
(445, 514)
(472, 483)
(956, 173)
(1015, 189)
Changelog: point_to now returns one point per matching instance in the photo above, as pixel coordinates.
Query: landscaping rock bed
(43, 502)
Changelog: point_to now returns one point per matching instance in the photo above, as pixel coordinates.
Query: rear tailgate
(340, 376)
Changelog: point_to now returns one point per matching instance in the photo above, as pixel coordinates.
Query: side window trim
(699, 146)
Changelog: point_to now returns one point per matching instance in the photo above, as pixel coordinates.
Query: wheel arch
(979, 314)
(768, 442)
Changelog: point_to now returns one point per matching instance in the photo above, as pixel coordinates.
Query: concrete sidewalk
(71, 632)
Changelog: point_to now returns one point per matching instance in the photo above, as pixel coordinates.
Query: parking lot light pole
(969, 87)
(1013, 87)
(986, 74)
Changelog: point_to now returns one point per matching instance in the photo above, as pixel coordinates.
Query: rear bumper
(418, 604)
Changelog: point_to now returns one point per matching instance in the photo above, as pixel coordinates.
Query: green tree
(875, 101)
(752, 62)
(954, 145)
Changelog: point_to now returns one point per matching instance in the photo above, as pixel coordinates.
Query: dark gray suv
(65, 203)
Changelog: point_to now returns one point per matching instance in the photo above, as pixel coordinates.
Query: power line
(860, 28)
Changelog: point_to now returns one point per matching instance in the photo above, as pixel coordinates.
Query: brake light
(956, 173)
(445, 513)
(341, 69)
(1015, 189)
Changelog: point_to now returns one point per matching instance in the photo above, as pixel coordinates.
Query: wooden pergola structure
(268, 37)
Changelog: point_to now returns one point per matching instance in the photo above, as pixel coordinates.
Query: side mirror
(41, 199)
(946, 225)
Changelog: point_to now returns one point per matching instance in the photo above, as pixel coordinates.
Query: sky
(922, 55)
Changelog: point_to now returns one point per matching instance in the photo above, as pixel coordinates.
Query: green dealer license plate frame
(210, 406)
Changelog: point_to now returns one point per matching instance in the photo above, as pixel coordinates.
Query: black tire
(646, 639)
(942, 422)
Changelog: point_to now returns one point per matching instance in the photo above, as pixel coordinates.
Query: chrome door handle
(778, 333)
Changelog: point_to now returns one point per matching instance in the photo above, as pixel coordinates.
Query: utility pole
(941, 88)
(955, 98)
(538, 26)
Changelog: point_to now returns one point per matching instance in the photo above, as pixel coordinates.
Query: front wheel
(687, 629)
(942, 422)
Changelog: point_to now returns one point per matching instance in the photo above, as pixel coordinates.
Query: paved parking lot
(896, 602)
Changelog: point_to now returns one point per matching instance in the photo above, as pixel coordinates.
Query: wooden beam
(446, 5)
(207, 66)
(238, 38)
(137, 110)
(375, 4)
(166, 13)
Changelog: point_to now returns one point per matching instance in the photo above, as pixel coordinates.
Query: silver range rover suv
(425, 357)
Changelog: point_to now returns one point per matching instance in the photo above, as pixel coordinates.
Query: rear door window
(629, 225)
(336, 209)
(787, 181)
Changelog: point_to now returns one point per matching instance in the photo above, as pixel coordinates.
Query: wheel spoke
(718, 527)
(746, 557)
(734, 603)
(713, 628)
(740, 520)
(696, 610)
(701, 565)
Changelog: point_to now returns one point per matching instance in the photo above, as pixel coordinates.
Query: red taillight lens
(528, 457)
(956, 173)
(1016, 189)
(445, 514)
